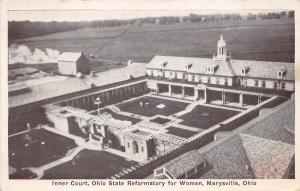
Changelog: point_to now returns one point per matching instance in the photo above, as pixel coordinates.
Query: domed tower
(221, 49)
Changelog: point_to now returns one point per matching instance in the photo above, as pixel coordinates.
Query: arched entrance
(135, 147)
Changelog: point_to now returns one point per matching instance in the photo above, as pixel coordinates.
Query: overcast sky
(88, 15)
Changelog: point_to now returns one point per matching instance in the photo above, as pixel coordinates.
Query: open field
(150, 109)
(89, 165)
(36, 148)
(271, 40)
(203, 117)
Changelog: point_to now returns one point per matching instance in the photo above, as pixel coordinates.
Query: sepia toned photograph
(160, 94)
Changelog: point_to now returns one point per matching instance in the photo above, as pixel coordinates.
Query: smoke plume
(22, 54)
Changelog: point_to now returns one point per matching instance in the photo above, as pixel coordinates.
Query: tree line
(23, 29)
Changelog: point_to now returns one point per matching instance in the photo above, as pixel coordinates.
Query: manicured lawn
(160, 120)
(89, 165)
(204, 117)
(118, 116)
(181, 132)
(37, 148)
(23, 174)
(150, 109)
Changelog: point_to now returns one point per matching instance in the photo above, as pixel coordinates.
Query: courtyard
(36, 148)
(152, 106)
(89, 164)
(203, 117)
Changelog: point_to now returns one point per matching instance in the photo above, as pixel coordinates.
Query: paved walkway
(19, 133)
(170, 98)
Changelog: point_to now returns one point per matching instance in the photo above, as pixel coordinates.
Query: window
(226, 82)
(142, 149)
(275, 85)
(283, 86)
(128, 145)
(193, 78)
(200, 79)
(256, 83)
(175, 75)
(238, 82)
(243, 71)
(263, 84)
(163, 74)
(245, 83)
(217, 80)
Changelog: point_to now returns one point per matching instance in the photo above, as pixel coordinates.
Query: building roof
(256, 69)
(251, 151)
(134, 70)
(183, 163)
(274, 125)
(197, 65)
(71, 84)
(263, 69)
(70, 56)
(48, 90)
(268, 159)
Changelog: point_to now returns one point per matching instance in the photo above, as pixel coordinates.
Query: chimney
(129, 62)
(92, 73)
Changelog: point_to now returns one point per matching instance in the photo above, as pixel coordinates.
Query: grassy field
(180, 132)
(203, 117)
(36, 148)
(271, 40)
(89, 165)
(150, 109)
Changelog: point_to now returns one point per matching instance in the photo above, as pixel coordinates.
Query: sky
(89, 15)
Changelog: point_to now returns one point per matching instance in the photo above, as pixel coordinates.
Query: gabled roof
(183, 163)
(274, 125)
(263, 69)
(268, 159)
(70, 56)
(257, 69)
(198, 65)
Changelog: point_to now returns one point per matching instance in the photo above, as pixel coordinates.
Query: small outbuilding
(72, 63)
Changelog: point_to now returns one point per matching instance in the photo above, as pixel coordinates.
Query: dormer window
(281, 73)
(211, 69)
(188, 66)
(164, 64)
(245, 70)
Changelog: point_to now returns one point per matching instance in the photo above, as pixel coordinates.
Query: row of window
(135, 147)
(276, 85)
(218, 80)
